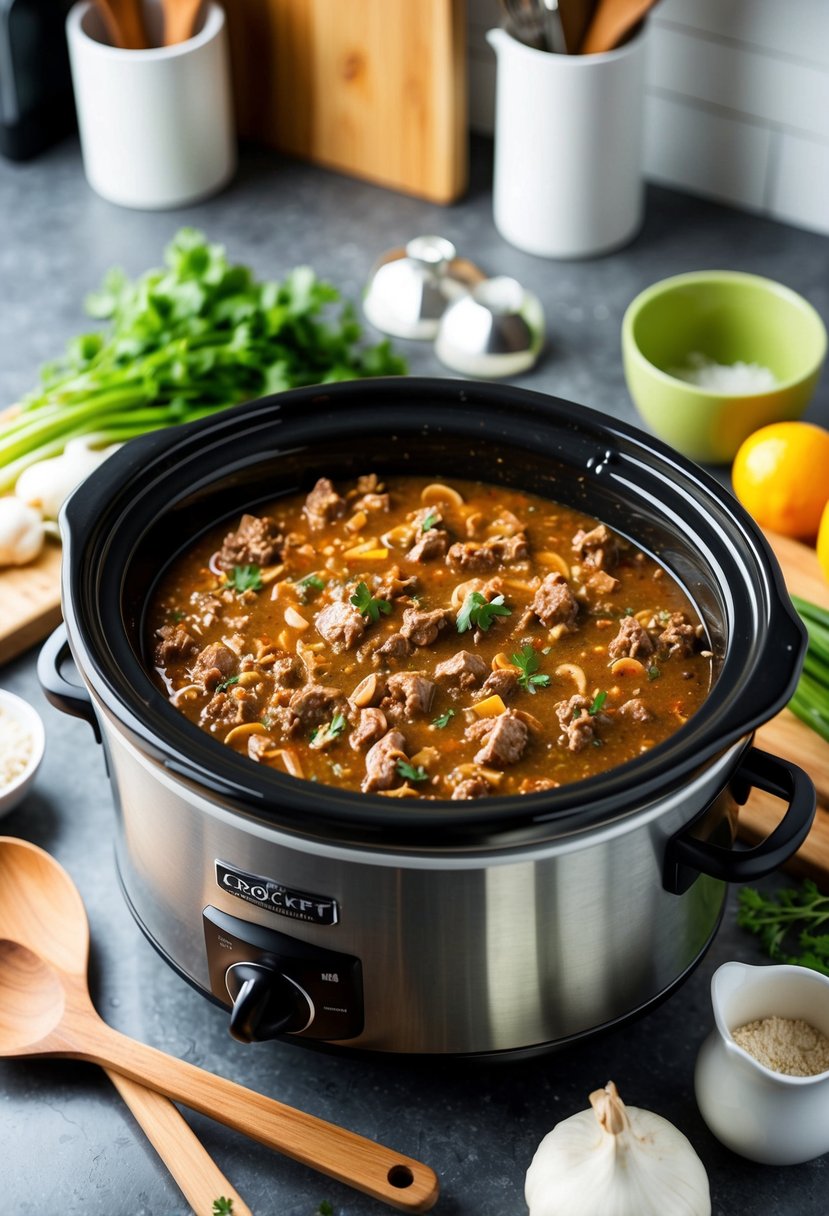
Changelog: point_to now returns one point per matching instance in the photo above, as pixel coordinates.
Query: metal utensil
(124, 23)
(41, 908)
(537, 23)
(612, 21)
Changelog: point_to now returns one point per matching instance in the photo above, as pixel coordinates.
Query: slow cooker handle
(69, 698)
(686, 858)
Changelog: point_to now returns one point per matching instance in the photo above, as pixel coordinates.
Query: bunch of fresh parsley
(786, 924)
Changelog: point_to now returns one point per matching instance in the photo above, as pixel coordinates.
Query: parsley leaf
(429, 521)
(321, 735)
(443, 719)
(222, 1207)
(526, 660)
(654, 673)
(479, 612)
(599, 701)
(223, 685)
(311, 582)
(364, 602)
(245, 578)
(324, 1209)
(792, 911)
(410, 772)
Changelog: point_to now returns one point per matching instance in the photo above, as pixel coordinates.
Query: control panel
(276, 985)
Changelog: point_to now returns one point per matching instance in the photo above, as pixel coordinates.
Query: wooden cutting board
(372, 88)
(29, 602)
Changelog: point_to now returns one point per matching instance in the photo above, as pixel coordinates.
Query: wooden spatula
(124, 23)
(612, 21)
(179, 20)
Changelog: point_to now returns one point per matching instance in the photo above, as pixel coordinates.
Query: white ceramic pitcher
(763, 1115)
(568, 147)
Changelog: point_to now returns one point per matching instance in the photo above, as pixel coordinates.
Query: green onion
(810, 702)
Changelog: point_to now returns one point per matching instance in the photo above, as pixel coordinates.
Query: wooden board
(372, 88)
(29, 602)
(786, 736)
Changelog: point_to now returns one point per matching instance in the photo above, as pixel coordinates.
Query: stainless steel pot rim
(105, 521)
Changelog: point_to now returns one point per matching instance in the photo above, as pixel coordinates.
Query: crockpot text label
(274, 897)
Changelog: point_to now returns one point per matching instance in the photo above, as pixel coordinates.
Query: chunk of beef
(230, 708)
(367, 483)
(256, 542)
(598, 548)
(214, 664)
(323, 505)
(474, 556)
(554, 602)
(636, 710)
(381, 762)
(577, 723)
(678, 638)
(463, 670)
(259, 746)
(316, 704)
(505, 741)
(502, 683)
(373, 502)
(631, 641)
(341, 625)
(421, 628)
(371, 727)
(394, 584)
(287, 672)
(175, 644)
(409, 693)
(534, 785)
(601, 583)
(431, 544)
(471, 787)
(395, 647)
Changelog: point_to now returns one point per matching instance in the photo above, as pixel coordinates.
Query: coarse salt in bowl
(22, 742)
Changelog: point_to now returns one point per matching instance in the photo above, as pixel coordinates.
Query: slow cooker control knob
(265, 1003)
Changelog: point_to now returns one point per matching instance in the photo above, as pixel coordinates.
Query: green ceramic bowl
(719, 317)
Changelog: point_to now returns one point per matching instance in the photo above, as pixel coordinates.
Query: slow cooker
(494, 926)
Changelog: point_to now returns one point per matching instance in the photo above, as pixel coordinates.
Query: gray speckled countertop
(67, 1144)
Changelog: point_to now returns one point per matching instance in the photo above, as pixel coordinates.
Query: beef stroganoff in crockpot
(423, 639)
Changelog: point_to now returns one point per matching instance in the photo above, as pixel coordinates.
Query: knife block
(373, 88)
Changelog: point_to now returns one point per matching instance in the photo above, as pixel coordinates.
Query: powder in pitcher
(739, 379)
(787, 1045)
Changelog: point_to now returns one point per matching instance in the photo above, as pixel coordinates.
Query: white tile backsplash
(737, 101)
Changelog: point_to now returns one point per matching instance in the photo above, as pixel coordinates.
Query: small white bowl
(28, 717)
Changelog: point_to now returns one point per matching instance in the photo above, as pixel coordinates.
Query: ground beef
(636, 710)
(577, 723)
(502, 683)
(505, 740)
(316, 704)
(631, 641)
(431, 544)
(323, 505)
(215, 664)
(463, 670)
(678, 638)
(341, 625)
(472, 787)
(395, 647)
(175, 643)
(471, 556)
(409, 693)
(256, 542)
(598, 548)
(554, 603)
(421, 628)
(371, 727)
(381, 762)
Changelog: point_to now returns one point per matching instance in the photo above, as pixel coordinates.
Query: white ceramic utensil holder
(156, 125)
(568, 147)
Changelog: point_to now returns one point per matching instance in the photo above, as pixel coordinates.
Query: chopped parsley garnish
(443, 719)
(266, 721)
(311, 582)
(598, 702)
(429, 521)
(654, 673)
(245, 578)
(628, 612)
(480, 612)
(324, 1209)
(176, 616)
(365, 602)
(222, 1207)
(410, 772)
(223, 685)
(321, 735)
(526, 660)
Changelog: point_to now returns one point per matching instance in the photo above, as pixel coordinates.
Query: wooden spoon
(47, 1011)
(124, 23)
(179, 19)
(41, 908)
(612, 21)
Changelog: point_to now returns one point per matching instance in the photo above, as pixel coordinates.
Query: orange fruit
(781, 476)
(823, 542)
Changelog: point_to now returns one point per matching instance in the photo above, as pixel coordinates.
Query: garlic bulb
(616, 1161)
(21, 532)
(46, 483)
